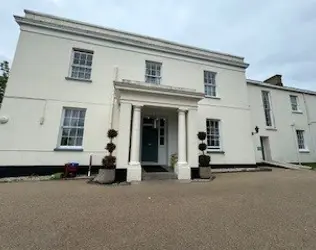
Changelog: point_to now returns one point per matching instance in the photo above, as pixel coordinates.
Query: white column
(134, 172)
(193, 151)
(124, 130)
(182, 169)
(181, 137)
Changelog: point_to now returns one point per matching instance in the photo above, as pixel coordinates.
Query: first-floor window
(266, 99)
(153, 72)
(294, 102)
(210, 83)
(213, 134)
(72, 127)
(81, 64)
(300, 139)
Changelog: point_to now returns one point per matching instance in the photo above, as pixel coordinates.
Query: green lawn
(312, 165)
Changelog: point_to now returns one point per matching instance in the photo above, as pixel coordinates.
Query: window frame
(149, 76)
(219, 139)
(297, 110)
(270, 109)
(160, 135)
(211, 84)
(62, 126)
(300, 137)
(85, 66)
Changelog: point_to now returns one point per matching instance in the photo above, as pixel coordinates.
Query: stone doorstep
(159, 176)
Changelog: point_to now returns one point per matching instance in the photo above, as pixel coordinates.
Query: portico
(176, 108)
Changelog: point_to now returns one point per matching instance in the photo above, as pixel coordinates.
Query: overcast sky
(274, 36)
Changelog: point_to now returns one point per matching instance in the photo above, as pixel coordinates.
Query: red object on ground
(71, 169)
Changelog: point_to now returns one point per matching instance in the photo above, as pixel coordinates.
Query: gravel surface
(264, 210)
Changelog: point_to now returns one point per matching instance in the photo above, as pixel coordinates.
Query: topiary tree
(106, 173)
(204, 160)
(108, 162)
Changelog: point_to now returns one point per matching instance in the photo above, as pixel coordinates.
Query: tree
(4, 67)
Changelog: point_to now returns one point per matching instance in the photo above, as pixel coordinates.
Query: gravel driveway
(265, 210)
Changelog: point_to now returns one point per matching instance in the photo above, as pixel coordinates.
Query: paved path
(266, 210)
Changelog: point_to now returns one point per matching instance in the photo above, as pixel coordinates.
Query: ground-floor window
(213, 134)
(300, 139)
(72, 127)
(162, 123)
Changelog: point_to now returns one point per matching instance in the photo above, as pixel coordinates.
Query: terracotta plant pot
(205, 172)
(105, 176)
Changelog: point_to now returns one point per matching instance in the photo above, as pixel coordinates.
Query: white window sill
(304, 151)
(271, 128)
(212, 97)
(73, 149)
(78, 79)
(297, 112)
(215, 151)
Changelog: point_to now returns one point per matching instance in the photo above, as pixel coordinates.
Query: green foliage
(108, 162)
(112, 133)
(204, 160)
(57, 176)
(202, 136)
(4, 68)
(110, 147)
(312, 165)
(202, 146)
(173, 160)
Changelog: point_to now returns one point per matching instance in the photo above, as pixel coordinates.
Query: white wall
(40, 66)
(282, 139)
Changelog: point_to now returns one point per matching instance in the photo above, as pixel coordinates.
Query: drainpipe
(309, 123)
(296, 144)
(90, 165)
(116, 75)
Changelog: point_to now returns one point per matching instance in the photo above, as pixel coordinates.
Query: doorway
(149, 140)
(265, 148)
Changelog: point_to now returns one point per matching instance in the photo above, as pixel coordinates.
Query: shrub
(110, 147)
(204, 160)
(173, 160)
(112, 133)
(202, 146)
(109, 161)
(202, 136)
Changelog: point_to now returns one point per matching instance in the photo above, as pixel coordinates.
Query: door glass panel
(147, 121)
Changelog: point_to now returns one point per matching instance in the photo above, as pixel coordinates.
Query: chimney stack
(275, 80)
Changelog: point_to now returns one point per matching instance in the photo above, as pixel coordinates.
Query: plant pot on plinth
(106, 173)
(204, 160)
(105, 176)
(205, 172)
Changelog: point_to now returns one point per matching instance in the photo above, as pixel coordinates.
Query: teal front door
(150, 144)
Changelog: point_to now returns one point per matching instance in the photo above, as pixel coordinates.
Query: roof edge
(31, 17)
(285, 88)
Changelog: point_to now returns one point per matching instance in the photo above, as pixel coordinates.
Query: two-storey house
(286, 117)
(71, 81)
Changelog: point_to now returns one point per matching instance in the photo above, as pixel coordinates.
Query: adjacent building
(287, 120)
(71, 81)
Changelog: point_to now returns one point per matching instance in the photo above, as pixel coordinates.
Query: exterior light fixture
(256, 130)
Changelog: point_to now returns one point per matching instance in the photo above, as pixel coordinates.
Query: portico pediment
(154, 94)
